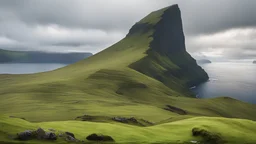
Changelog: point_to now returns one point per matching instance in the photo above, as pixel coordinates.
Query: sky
(219, 29)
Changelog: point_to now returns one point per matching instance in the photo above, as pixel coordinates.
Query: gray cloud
(86, 25)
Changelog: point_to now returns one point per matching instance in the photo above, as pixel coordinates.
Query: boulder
(40, 133)
(26, 135)
(70, 134)
(50, 136)
(99, 137)
(71, 139)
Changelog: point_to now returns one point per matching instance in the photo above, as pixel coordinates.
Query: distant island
(203, 61)
(40, 57)
(254, 62)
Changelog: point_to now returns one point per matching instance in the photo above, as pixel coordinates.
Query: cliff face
(168, 60)
(168, 37)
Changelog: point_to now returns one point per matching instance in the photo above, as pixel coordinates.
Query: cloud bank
(212, 28)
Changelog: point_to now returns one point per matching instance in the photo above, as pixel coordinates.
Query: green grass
(235, 131)
(120, 81)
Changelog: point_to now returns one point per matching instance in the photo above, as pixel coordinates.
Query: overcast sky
(213, 28)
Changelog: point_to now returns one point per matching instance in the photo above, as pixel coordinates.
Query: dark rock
(70, 134)
(148, 122)
(208, 137)
(50, 136)
(175, 110)
(125, 120)
(40, 133)
(85, 118)
(120, 119)
(99, 137)
(71, 139)
(132, 119)
(254, 62)
(26, 135)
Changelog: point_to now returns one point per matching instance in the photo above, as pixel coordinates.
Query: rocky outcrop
(125, 120)
(254, 62)
(100, 137)
(38, 134)
(208, 137)
(26, 135)
(70, 134)
(175, 110)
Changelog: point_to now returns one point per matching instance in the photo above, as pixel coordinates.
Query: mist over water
(236, 80)
(27, 68)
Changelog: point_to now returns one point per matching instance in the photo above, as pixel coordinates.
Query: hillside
(146, 75)
(40, 57)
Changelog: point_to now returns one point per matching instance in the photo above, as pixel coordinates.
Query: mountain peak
(168, 36)
(165, 26)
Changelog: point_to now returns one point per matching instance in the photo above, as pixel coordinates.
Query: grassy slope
(243, 131)
(105, 85)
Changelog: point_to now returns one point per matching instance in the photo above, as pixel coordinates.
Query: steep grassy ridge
(136, 77)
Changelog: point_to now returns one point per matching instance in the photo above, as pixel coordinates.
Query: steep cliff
(167, 59)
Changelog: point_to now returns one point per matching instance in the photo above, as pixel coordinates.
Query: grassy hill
(146, 75)
(243, 131)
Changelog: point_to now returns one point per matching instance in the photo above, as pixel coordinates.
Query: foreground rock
(208, 137)
(39, 134)
(254, 62)
(70, 134)
(50, 136)
(71, 139)
(26, 135)
(100, 137)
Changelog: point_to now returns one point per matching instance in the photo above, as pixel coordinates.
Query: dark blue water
(27, 68)
(236, 80)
